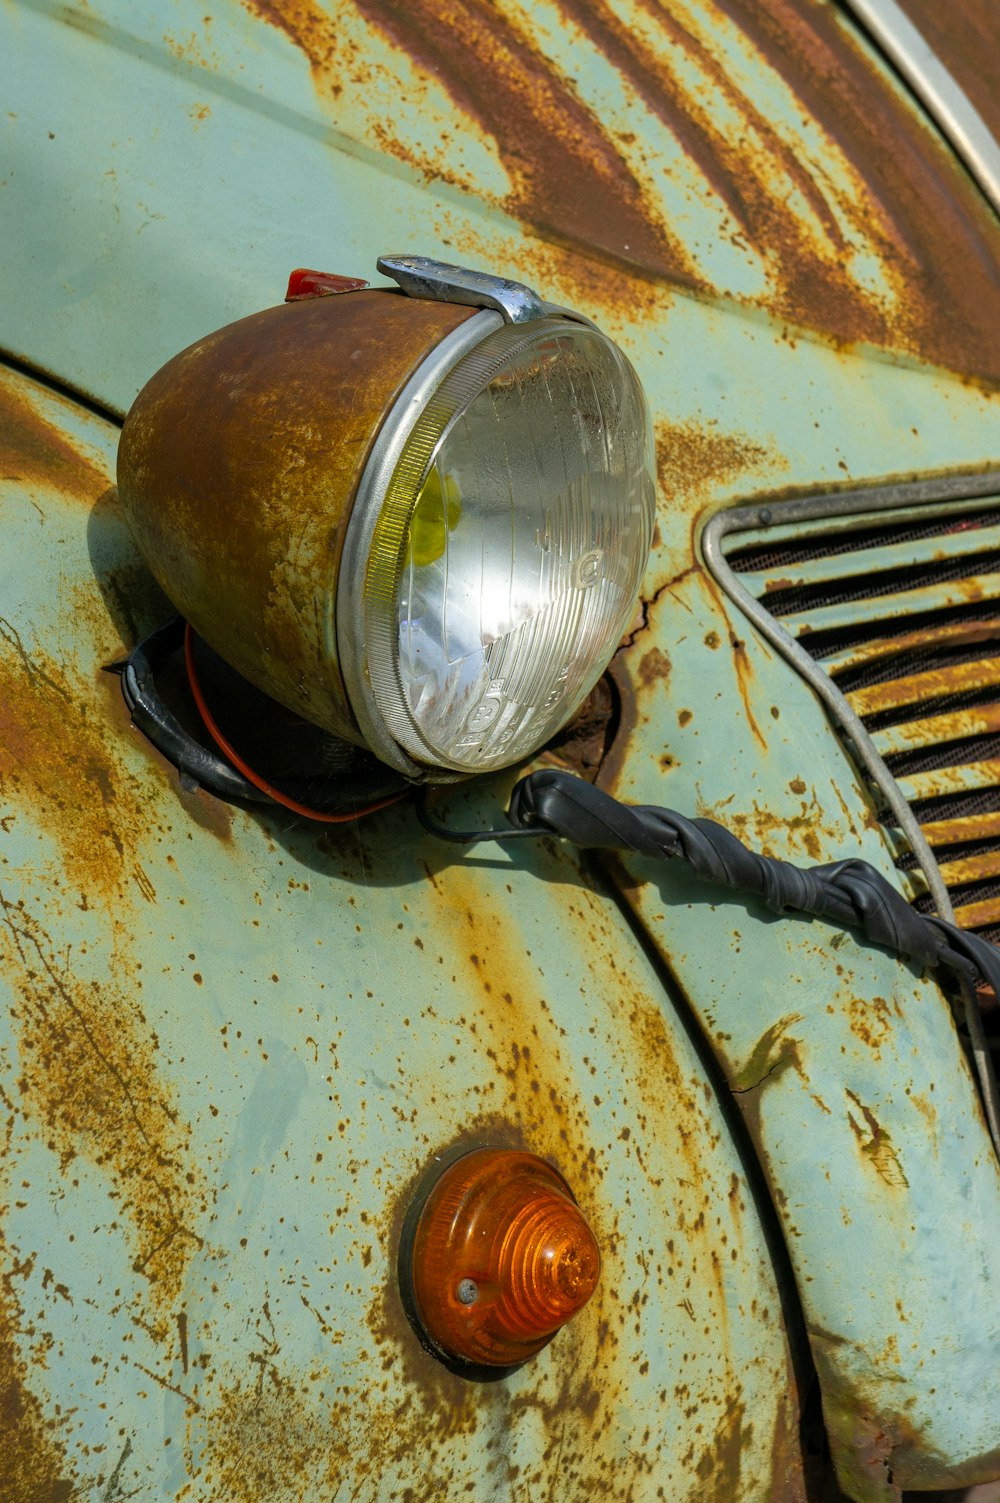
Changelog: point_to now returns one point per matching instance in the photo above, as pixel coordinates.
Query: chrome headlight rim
(414, 432)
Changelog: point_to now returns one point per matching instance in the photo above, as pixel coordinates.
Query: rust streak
(919, 213)
(971, 868)
(935, 730)
(54, 739)
(171, 1387)
(924, 637)
(568, 178)
(33, 1464)
(586, 187)
(968, 827)
(88, 1077)
(876, 1144)
(773, 1052)
(34, 452)
(978, 915)
(182, 1335)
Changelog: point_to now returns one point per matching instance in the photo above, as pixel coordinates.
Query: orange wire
(248, 772)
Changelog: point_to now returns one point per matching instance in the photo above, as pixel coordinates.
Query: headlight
(420, 526)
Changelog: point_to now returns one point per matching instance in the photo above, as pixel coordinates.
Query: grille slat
(955, 633)
(840, 568)
(917, 688)
(945, 780)
(889, 606)
(899, 609)
(937, 729)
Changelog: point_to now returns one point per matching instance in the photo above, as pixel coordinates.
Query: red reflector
(502, 1257)
(304, 283)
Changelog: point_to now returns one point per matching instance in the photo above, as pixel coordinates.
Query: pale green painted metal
(219, 171)
(320, 1014)
(895, 1238)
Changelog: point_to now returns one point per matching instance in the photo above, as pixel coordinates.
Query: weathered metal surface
(962, 779)
(966, 38)
(971, 868)
(937, 730)
(939, 597)
(610, 153)
(243, 518)
(936, 88)
(918, 688)
(978, 915)
(256, 156)
(971, 827)
(844, 1060)
(231, 1045)
(941, 713)
(930, 634)
(888, 557)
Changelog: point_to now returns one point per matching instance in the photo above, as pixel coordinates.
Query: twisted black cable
(851, 894)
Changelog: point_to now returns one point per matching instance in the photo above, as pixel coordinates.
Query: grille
(902, 609)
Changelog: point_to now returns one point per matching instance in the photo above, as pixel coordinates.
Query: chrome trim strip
(948, 105)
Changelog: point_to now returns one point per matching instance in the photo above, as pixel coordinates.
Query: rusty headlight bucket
(419, 519)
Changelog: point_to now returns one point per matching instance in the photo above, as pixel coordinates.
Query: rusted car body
(232, 1043)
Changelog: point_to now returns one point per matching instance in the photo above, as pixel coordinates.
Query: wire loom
(851, 894)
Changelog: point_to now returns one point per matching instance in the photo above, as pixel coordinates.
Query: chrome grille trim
(948, 104)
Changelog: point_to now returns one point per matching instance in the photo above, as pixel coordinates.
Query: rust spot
(765, 829)
(694, 461)
(32, 1461)
(926, 1108)
(797, 785)
(773, 1052)
(876, 1144)
(654, 667)
(87, 1079)
(34, 452)
(870, 1020)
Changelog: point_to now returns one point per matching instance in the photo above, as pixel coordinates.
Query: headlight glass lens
(509, 551)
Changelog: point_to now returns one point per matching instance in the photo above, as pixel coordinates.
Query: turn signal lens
(502, 1257)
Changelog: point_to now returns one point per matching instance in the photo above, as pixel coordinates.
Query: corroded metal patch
(767, 119)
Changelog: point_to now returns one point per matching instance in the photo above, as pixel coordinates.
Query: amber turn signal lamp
(501, 1258)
